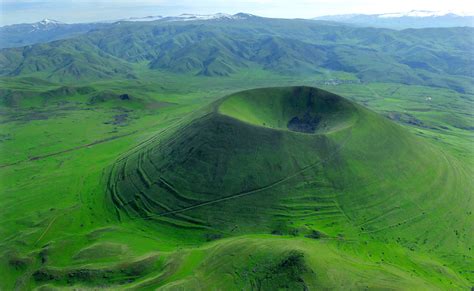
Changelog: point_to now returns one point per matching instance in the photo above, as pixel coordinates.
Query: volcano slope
(299, 161)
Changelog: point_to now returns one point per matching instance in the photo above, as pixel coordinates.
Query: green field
(359, 201)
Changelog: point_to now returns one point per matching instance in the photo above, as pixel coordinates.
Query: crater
(298, 109)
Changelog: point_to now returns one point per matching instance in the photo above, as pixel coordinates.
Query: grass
(251, 262)
(370, 178)
(55, 216)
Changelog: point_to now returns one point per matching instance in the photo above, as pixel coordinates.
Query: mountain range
(223, 46)
(411, 19)
(47, 30)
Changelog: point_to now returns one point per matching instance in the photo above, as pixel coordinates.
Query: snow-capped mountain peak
(45, 24)
(188, 17)
(146, 18)
(48, 21)
(415, 13)
(191, 17)
(403, 20)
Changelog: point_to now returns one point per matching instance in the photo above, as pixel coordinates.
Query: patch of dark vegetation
(286, 273)
(45, 275)
(470, 128)
(68, 91)
(306, 124)
(109, 96)
(212, 236)
(314, 234)
(124, 97)
(407, 118)
(44, 255)
(421, 109)
(288, 231)
(281, 228)
(19, 262)
(118, 274)
(14, 98)
(123, 109)
(47, 288)
(5, 137)
(119, 119)
(32, 114)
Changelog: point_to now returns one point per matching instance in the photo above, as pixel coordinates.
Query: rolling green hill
(143, 184)
(63, 61)
(297, 161)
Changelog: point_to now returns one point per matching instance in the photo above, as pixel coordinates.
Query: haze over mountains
(48, 29)
(411, 19)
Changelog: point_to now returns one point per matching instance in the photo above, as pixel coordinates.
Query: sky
(73, 11)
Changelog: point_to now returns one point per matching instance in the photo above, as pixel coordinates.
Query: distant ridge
(46, 30)
(192, 17)
(225, 47)
(403, 20)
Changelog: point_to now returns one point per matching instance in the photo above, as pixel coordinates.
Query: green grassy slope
(288, 263)
(59, 231)
(63, 61)
(368, 178)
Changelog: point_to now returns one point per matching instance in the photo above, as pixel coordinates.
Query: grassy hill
(297, 161)
(18, 35)
(343, 168)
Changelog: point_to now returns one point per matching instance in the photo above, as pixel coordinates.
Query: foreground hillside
(297, 161)
(349, 207)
